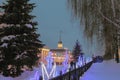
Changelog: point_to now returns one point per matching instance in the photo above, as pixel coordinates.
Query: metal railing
(74, 74)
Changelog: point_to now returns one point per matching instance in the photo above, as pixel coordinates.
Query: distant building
(43, 53)
(58, 54)
(45, 50)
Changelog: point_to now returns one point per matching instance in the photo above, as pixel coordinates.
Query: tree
(19, 41)
(101, 19)
(77, 51)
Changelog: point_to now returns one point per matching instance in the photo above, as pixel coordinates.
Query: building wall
(43, 53)
(57, 55)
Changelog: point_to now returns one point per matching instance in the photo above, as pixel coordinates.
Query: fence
(74, 74)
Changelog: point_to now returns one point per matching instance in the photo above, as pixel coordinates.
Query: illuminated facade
(58, 54)
(43, 53)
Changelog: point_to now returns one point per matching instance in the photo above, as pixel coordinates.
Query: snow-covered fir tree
(19, 41)
(77, 51)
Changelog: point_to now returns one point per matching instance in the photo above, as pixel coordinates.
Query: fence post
(69, 73)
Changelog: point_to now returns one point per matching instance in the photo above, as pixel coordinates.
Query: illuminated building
(43, 53)
(58, 54)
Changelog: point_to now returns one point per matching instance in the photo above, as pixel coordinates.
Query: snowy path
(108, 70)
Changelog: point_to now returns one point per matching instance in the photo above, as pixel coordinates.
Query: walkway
(108, 70)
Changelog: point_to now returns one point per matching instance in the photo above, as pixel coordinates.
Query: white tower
(60, 45)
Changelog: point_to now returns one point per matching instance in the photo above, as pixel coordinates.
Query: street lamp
(118, 48)
(116, 45)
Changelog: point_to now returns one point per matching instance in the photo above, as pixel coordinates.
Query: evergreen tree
(19, 41)
(77, 51)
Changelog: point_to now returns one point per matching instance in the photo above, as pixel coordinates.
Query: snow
(29, 25)
(108, 70)
(4, 45)
(6, 25)
(21, 55)
(8, 37)
(30, 75)
(3, 25)
(18, 25)
(25, 34)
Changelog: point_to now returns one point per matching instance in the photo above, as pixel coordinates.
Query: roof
(58, 49)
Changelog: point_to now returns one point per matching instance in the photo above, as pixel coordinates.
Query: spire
(60, 36)
(60, 45)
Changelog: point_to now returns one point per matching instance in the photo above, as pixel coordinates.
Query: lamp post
(117, 45)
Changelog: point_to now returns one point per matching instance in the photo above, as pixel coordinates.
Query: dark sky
(54, 16)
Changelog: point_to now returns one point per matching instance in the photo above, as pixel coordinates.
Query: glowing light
(49, 66)
(46, 72)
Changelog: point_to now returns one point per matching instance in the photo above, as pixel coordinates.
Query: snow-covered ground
(34, 75)
(30, 75)
(107, 70)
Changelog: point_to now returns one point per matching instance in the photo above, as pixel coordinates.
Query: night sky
(54, 16)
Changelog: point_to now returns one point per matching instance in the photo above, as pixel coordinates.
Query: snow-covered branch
(8, 37)
(20, 56)
(29, 26)
(4, 45)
